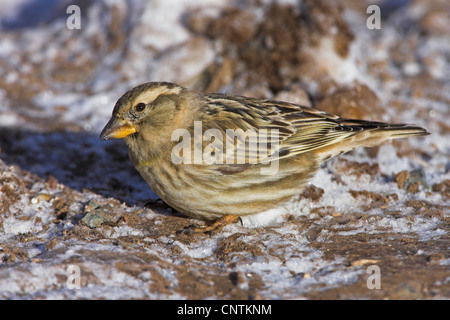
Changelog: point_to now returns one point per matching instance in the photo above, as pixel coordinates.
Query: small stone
(413, 187)
(401, 178)
(361, 262)
(418, 175)
(95, 215)
(313, 193)
(40, 197)
(411, 180)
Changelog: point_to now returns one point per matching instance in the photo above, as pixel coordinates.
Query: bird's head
(147, 111)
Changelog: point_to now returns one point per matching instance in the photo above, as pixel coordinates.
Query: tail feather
(368, 134)
(396, 131)
(404, 130)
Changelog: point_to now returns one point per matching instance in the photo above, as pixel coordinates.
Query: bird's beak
(117, 128)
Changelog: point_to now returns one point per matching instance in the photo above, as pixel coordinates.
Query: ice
(269, 217)
(12, 226)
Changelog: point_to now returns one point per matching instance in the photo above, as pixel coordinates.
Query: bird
(199, 151)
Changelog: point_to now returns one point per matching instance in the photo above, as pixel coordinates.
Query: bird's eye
(140, 107)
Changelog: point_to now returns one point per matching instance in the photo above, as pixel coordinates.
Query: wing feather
(281, 129)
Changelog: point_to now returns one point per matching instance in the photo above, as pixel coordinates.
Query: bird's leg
(217, 225)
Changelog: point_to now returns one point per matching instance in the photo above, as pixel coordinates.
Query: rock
(357, 102)
(296, 94)
(411, 180)
(443, 188)
(401, 178)
(312, 192)
(95, 215)
(346, 167)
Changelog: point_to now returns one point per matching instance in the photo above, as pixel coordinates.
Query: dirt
(357, 102)
(273, 50)
(406, 274)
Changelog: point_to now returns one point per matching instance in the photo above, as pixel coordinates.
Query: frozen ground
(70, 201)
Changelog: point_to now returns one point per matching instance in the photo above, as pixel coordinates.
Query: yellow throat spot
(145, 164)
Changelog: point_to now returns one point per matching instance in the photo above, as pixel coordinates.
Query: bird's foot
(216, 226)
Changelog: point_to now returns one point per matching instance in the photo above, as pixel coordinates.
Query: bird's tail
(362, 133)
